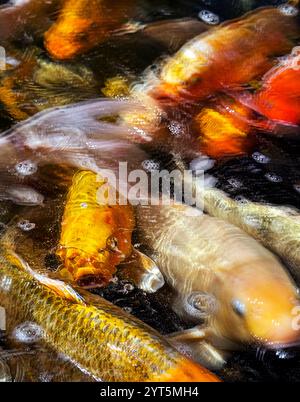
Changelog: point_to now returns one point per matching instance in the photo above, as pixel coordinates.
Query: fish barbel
(95, 235)
(278, 228)
(204, 65)
(97, 336)
(83, 24)
(221, 276)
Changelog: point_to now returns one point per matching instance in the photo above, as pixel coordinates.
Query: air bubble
(297, 187)
(26, 168)
(200, 304)
(28, 332)
(241, 199)
(25, 225)
(128, 309)
(235, 183)
(176, 128)
(150, 165)
(260, 158)
(274, 178)
(209, 17)
(288, 9)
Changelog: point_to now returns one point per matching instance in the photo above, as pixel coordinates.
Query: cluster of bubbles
(209, 17)
(25, 225)
(150, 165)
(273, 177)
(260, 158)
(27, 332)
(26, 168)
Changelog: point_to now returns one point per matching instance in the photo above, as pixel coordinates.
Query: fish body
(223, 129)
(97, 336)
(204, 65)
(24, 15)
(83, 24)
(95, 236)
(279, 97)
(21, 195)
(277, 228)
(221, 276)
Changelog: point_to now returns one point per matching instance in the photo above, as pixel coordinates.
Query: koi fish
(204, 65)
(98, 337)
(277, 228)
(221, 277)
(279, 97)
(95, 235)
(84, 24)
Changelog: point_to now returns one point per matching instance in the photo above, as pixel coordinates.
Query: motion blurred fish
(21, 194)
(84, 24)
(279, 97)
(204, 65)
(27, 15)
(221, 276)
(278, 228)
(35, 84)
(95, 335)
(74, 135)
(172, 34)
(95, 235)
(223, 129)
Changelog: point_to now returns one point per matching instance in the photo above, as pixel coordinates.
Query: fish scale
(94, 336)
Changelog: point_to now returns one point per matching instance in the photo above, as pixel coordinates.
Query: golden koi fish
(204, 65)
(222, 277)
(95, 236)
(97, 336)
(84, 24)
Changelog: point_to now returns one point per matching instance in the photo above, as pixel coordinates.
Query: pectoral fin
(192, 343)
(143, 271)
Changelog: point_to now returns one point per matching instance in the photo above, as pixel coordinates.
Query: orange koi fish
(279, 97)
(84, 24)
(95, 237)
(205, 64)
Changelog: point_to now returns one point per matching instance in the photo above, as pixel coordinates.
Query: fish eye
(239, 308)
(112, 243)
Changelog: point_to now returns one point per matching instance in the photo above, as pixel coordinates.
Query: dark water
(276, 180)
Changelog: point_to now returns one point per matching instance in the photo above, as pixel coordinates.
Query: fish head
(71, 36)
(265, 301)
